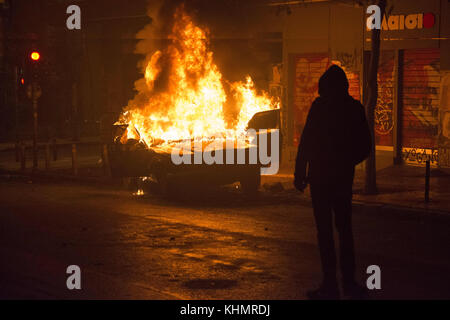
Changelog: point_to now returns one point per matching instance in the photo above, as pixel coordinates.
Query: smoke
(158, 36)
(151, 38)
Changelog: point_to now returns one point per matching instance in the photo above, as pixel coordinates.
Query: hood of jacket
(333, 83)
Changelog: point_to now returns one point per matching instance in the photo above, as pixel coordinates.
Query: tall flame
(184, 94)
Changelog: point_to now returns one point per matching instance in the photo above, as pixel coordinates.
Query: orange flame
(187, 102)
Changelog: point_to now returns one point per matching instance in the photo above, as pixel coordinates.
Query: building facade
(412, 116)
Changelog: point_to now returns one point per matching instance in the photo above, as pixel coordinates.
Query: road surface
(207, 244)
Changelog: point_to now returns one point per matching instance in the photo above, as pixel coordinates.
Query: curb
(362, 206)
(367, 207)
(389, 209)
(41, 145)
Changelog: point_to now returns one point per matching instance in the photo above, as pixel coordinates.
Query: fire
(184, 94)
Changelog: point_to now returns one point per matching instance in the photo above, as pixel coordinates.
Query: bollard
(105, 158)
(22, 157)
(427, 181)
(74, 160)
(47, 156)
(55, 150)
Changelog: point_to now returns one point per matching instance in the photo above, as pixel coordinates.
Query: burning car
(184, 100)
(134, 159)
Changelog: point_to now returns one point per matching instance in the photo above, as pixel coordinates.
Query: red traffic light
(35, 56)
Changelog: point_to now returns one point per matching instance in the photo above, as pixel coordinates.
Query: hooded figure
(335, 138)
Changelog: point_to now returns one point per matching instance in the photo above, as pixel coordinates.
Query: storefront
(412, 117)
(407, 116)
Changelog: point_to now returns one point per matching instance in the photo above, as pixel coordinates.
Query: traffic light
(35, 56)
(34, 62)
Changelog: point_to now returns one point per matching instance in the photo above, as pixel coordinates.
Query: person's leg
(342, 206)
(324, 225)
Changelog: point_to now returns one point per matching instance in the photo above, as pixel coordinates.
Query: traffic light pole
(16, 116)
(35, 126)
(34, 92)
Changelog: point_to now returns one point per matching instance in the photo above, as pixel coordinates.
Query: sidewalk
(405, 186)
(402, 187)
(89, 163)
(11, 146)
(88, 166)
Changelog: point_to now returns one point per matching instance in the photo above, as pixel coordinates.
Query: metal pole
(75, 124)
(35, 129)
(16, 102)
(397, 107)
(22, 156)
(47, 156)
(55, 150)
(427, 181)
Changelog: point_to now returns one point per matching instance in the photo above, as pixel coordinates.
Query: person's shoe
(355, 291)
(324, 293)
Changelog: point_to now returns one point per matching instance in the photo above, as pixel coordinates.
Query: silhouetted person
(336, 137)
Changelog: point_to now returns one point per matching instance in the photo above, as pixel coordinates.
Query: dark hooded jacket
(336, 136)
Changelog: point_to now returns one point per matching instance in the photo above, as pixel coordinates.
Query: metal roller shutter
(384, 110)
(308, 69)
(420, 97)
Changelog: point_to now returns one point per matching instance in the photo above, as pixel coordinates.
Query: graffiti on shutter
(308, 69)
(421, 81)
(384, 109)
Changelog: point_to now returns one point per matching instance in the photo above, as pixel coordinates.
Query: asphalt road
(208, 244)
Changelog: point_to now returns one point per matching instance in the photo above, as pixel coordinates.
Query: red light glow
(35, 56)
